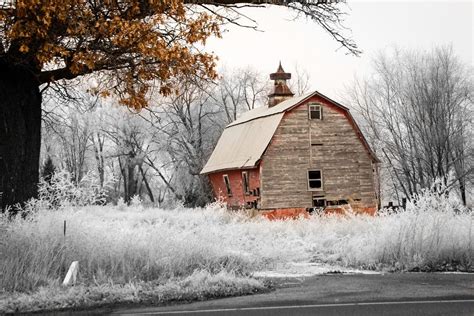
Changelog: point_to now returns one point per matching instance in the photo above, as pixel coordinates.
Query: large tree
(130, 44)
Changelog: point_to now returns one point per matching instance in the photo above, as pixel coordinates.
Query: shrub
(59, 191)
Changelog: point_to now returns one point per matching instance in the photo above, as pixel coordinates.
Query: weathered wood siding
(239, 198)
(346, 165)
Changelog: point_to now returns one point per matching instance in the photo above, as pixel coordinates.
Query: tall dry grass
(123, 245)
(112, 246)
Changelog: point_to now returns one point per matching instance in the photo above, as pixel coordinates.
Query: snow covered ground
(132, 246)
(124, 243)
(306, 269)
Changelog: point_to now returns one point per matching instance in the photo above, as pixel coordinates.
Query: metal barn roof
(244, 141)
(242, 145)
(266, 111)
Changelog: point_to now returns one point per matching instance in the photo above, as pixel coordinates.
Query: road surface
(376, 294)
(339, 294)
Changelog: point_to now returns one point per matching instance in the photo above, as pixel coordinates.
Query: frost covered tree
(301, 80)
(128, 136)
(131, 44)
(156, 153)
(418, 111)
(238, 91)
(187, 131)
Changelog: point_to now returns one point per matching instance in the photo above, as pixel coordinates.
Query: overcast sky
(375, 25)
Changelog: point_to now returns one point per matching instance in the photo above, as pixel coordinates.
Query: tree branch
(323, 12)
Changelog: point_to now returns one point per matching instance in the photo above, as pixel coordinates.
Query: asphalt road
(384, 294)
(376, 294)
(462, 307)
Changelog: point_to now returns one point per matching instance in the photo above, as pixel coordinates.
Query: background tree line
(417, 111)
(156, 153)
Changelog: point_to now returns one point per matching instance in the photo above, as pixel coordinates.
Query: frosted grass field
(210, 252)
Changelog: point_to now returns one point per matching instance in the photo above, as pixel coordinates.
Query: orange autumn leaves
(136, 42)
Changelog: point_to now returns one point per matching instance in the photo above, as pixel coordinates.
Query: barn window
(319, 202)
(337, 202)
(315, 111)
(227, 185)
(315, 180)
(245, 182)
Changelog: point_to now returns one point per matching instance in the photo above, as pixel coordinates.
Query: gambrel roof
(265, 111)
(244, 141)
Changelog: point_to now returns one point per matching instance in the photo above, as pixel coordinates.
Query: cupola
(281, 92)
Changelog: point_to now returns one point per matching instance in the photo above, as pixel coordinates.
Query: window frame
(320, 179)
(228, 188)
(246, 182)
(319, 198)
(317, 105)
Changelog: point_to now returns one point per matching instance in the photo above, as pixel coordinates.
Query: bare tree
(301, 80)
(75, 142)
(98, 139)
(229, 94)
(418, 110)
(189, 126)
(130, 136)
(238, 91)
(255, 88)
(67, 132)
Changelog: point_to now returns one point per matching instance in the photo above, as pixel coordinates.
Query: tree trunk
(462, 189)
(150, 193)
(132, 182)
(20, 134)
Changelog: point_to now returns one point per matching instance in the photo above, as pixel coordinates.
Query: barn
(295, 153)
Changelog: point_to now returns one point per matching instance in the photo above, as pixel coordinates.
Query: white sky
(375, 25)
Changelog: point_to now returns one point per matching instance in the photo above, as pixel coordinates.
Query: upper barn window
(315, 111)
(227, 185)
(315, 180)
(245, 182)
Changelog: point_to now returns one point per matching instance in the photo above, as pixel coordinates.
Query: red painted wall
(239, 198)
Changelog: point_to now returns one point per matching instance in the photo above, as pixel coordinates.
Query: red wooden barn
(295, 153)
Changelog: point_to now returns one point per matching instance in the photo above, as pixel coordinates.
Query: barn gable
(330, 146)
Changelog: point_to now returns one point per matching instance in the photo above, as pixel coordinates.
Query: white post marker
(71, 275)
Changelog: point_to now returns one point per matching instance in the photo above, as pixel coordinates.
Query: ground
(141, 255)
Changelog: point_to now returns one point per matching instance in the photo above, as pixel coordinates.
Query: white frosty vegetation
(119, 248)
